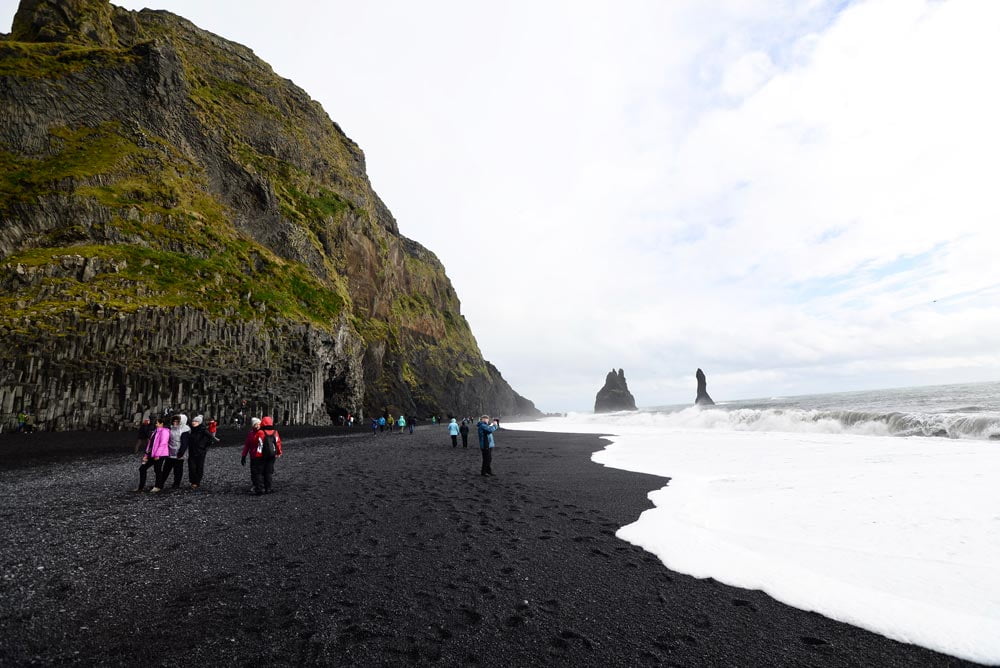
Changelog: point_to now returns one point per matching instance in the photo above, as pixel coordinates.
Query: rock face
(702, 399)
(614, 396)
(179, 226)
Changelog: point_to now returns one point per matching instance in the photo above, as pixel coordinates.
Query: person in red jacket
(264, 446)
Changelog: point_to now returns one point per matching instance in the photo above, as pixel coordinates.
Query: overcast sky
(796, 196)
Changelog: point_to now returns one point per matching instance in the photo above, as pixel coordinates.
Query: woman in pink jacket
(157, 448)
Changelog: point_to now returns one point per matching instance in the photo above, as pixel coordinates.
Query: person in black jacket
(464, 431)
(198, 444)
(142, 438)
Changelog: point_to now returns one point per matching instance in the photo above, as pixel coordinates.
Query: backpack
(268, 446)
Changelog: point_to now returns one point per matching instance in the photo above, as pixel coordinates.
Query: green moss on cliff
(78, 153)
(182, 248)
(56, 60)
(244, 281)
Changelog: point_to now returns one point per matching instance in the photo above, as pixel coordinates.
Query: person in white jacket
(180, 436)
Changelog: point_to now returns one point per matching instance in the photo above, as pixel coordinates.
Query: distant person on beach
(381, 423)
(264, 447)
(142, 437)
(157, 448)
(213, 428)
(29, 423)
(180, 438)
(401, 423)
(464, 431)
(22, 419)
(411, 422)
(486, 430)
(453, 432)
(200, 439)
(374, 427)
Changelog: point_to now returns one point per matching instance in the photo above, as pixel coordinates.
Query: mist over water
(943, 411)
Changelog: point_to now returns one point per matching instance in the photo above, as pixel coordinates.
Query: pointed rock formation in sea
(702, 399)
(614, 396)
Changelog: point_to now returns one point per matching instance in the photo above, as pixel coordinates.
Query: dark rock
(182, 227)
(702, 399)
(614, 396)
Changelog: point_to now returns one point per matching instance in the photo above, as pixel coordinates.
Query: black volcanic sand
(373, 551)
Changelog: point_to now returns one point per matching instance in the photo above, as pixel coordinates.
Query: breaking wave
(870, 423)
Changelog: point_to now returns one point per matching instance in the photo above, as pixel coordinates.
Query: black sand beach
(386, 550)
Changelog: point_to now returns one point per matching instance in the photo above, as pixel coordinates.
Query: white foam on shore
(900, 536)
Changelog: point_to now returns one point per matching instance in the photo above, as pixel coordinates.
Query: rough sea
(877, 508)
(948, 411)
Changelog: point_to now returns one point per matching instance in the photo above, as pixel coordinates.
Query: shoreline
(379, 550)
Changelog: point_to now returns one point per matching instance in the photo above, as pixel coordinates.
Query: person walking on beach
(264, 447)
(157, 448)
(401, 423)
(381, 423)
(374, 427)
(142, 437)
(213, 428)
(410, 422)
(22, 419)
(180, 439)
(486, 430)
(453, 432)
(464, 431)
(200, 439)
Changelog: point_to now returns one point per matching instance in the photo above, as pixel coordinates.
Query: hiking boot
(155, 490)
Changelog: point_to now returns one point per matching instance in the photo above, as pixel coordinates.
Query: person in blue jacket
(486, 430)
(453, 431)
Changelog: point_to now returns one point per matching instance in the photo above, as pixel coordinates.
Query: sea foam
(900, 536)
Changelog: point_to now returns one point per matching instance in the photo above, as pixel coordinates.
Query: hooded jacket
(158, 444)
(256, 438)
(453, 427)
(180, 437)
(486, 434)
(201, 438)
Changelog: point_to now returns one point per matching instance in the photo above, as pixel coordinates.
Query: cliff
(614, 396)
(180, 226)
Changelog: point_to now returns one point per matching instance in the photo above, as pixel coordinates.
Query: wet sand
(387, 550)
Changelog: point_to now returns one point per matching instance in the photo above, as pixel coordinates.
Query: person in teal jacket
(486, 430)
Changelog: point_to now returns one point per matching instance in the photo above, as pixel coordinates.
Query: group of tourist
(484, 428)
(25, 423)
(170, 441)
(388, 423)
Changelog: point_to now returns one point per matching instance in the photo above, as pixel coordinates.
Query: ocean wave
(868, 423)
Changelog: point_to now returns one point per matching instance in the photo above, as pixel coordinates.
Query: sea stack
(614, 396)
(702, 399)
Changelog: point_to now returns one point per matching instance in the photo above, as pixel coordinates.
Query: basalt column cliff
(180, 226)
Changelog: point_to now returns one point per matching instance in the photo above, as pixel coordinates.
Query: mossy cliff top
(137, 140)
